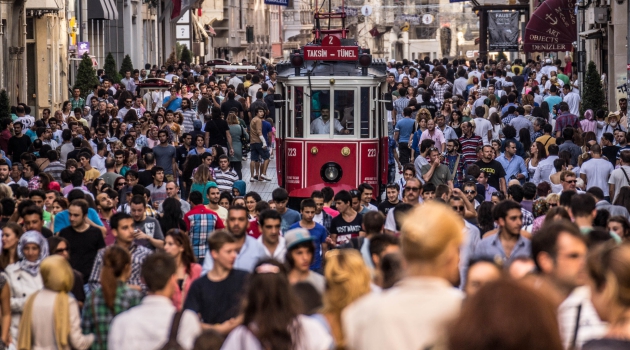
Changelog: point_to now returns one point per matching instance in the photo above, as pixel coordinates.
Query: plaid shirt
(566, 119)
(461, 167)
(326, 220)
(33, 183)
(528, 217)
(80, 103)
(138, 254)
(440, 89)
(508, 119)
(200, 222)
(400, 104)
(97, 316)
(535, 135)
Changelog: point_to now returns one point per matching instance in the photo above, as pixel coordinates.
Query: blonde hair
(441, 227)
(232, 119)
(202, 175)
(57, 276)
(5, 191)
(347, 279)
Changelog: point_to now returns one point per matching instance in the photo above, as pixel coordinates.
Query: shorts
(258, 152)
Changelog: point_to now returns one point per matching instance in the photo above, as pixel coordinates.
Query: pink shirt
(437, 136)
(330, 211)
(179, 295)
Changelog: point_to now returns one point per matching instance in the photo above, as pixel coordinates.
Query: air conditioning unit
(600, 15)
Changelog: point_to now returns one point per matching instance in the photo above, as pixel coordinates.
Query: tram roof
(378, 69)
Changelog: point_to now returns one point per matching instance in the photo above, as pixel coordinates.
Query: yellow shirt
(547, 141)
(91, 175)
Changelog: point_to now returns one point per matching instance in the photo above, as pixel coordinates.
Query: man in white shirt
(98, 160)
(459, 86)
(559, 251)
(147, 326)
(269, 222)
(253, 89)
(234, 80)
(572, 99)
(322, 125)
(596, 171)
(620, 177)
(483, 127)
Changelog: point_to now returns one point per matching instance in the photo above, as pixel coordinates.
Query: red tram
(332, 126)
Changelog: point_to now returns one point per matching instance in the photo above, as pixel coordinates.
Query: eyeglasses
(470, 191)
(553, 204)
(570, 181)
(458, 208)
(128, 101)
(413, 189)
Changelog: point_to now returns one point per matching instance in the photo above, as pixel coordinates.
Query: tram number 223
(292, 152)
(371, 153)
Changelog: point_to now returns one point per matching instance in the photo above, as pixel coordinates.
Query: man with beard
(148, 232)
(213, 197)
(105, 207)
(494, 169)
(250, 251)
(172, 191)
(101, 118)
(4, 172)
(508, 244)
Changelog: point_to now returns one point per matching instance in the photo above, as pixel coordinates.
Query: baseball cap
(297, 236)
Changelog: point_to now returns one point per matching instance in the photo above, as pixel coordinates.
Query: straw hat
(611, 115)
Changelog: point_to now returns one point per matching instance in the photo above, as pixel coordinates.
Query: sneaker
(253, 179)
(265, 177)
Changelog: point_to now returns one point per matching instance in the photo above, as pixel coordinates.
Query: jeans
(391, 173)
(404, 152)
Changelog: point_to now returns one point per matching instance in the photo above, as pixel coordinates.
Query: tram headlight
(331, 172)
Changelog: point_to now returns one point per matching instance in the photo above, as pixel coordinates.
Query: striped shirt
(138, 255)
(469, 147)
(55, 169)
(189, 117)
(225, 179)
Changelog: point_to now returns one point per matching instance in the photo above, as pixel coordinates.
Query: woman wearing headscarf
(53, 303)
(588, 123)
(23, 276)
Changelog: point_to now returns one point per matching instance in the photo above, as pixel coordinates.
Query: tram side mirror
(388, 105)
(277, 97)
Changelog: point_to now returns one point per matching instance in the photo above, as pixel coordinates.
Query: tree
(172, 59)
(593, 95)
(5, 105)
(110, 68)
(86, 76)
(186, 55)
(126, 66)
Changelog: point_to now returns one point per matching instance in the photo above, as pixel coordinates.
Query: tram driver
(321, 125)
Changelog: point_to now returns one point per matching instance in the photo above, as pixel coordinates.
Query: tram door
(282, 113)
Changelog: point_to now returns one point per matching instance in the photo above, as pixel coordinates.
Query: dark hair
(596, 192)
(501, 209)
(81, 203)
(172, 214)
(582, 205)
(373, 222)
(5, 257)
(268, 214)
(308, 203)
(272, 322)
(343, 196)
(289, 257)
(379, 243)
(546, 239)
(157, 270)
(138, 199)
(280, 195)
(516, 191)
(481, 327)
(115, 261)
(328, 193)
(195, 197)
(565, 198)
(116, 218)
(181, 239)
(484, 217)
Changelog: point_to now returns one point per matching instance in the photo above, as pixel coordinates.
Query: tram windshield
(332, 112)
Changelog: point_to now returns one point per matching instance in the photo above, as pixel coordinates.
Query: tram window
(344, 112)
(321, 113)
(365, 112)
(298, 130)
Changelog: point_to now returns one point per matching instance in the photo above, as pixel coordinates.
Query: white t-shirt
(573, 100)
(597, 172)
(252, 91)
(618, 179)
(319, 218)
(482, 126)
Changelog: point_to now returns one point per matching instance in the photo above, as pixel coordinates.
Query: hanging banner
(284, 3)
(503, 30)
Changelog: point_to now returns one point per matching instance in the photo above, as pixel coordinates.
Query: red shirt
(201, 209)
(253, 228)
(5, 135)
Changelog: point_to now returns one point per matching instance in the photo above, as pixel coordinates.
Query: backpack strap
(172, 338)
(625, 174)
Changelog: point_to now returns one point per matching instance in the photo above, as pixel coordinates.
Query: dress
(235, 131)
(531, 169)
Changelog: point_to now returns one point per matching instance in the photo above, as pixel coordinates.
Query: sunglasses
(571, 181)
(470, 192)
(121, 184)
(59, 251)
(458, 208)
(553, 204)
(413, 189)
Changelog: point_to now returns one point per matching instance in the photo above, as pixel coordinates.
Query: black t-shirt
(606, 344)
(385, 206)
(46, 232)
(229, 104)
(18, 145)
(217, 302)
(346, 230)
(610, 152)
(74, 154)
(430, 106)
(181, 154)
(83, 247)
(495, 172)
(145, 178)
(217, 129)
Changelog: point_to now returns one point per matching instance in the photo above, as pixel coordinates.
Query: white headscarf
(35, 237)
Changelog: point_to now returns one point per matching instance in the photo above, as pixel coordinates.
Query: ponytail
(115, 262)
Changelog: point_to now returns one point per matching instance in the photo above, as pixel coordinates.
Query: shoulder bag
(172, 343)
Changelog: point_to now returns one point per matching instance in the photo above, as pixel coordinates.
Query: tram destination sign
(331, 53)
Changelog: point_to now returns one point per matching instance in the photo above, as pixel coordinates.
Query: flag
(374, 32)
(179, 8)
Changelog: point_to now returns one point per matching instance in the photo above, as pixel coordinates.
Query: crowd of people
(126, 223)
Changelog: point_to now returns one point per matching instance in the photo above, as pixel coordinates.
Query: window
(344, 112)
(320, 112)
(365, 112)
(298, 111)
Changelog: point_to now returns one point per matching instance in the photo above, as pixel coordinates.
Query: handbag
(244, 140)
(172, 343)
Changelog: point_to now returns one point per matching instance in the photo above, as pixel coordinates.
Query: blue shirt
(507, 106)
(552, 101)
(405, 128)
(266, 129)
(251, 253)
(175, 104)
(491, 247)
(514, 166)
(289, 218)
(415, 143)
(391, 145)
(319, 233)
(62, 220)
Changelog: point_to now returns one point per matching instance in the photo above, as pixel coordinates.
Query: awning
(102, 9)
(552, 27)
(592, 34)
